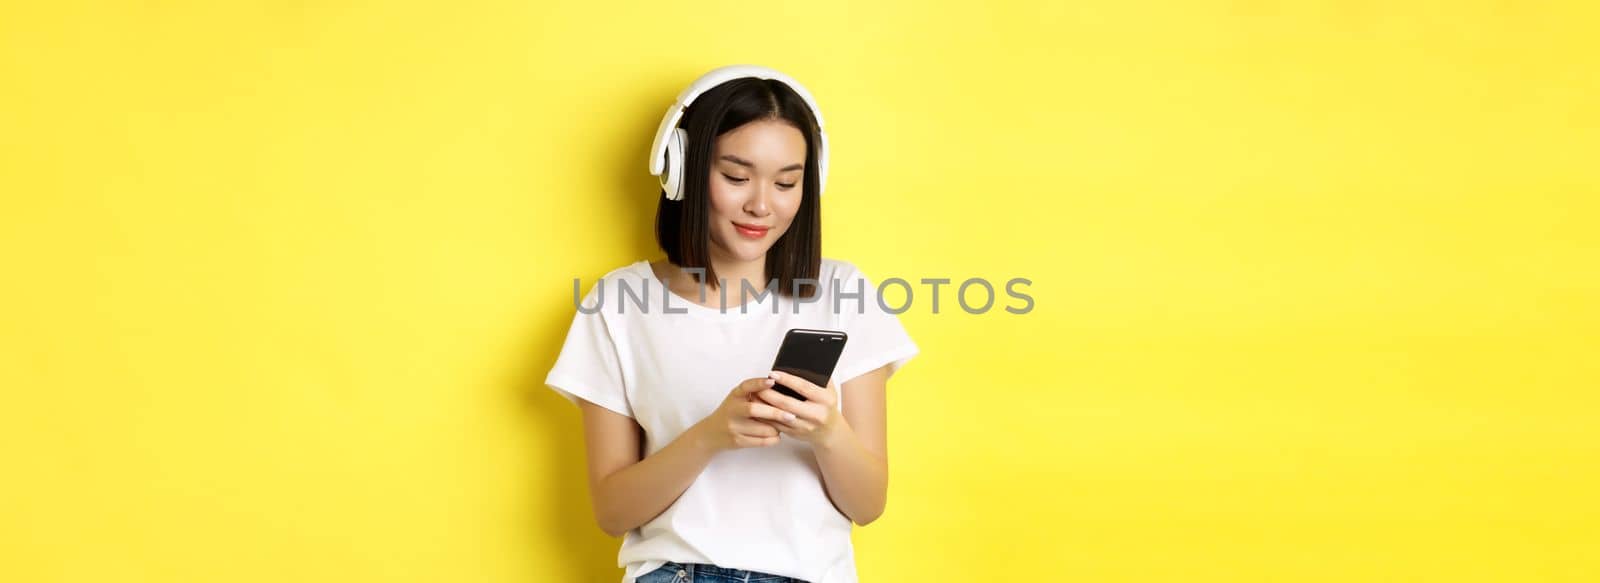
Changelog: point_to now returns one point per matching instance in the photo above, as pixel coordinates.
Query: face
(756, 174)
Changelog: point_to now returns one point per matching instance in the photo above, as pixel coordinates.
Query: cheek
(724, 199)
(787, 209)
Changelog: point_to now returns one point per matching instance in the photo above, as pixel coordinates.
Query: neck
(739, 272)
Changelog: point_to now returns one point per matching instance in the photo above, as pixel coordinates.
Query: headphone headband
(666, 152)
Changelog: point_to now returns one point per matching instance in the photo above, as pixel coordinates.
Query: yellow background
(1316, 284)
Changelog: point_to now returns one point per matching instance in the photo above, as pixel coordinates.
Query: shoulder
(632, 270)
(633, 274)
(635, 277)
(842, 282)
(835, 268)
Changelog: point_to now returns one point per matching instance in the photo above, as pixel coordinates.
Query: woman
(709, 472)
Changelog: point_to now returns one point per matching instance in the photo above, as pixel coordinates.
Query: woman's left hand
(815, 418)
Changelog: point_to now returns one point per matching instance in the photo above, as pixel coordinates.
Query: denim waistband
(710, 569)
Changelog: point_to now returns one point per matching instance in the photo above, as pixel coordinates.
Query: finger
(743, 441)
(752, 386)
(759, 410)
(806, 388)
(800, 409)
(796, 427)
(755, 428)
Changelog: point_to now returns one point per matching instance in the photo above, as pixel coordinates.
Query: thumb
(751, 386)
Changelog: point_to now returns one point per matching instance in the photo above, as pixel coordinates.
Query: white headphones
(666, 153)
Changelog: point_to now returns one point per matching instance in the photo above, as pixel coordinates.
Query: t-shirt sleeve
(589, 366)
(875, 336)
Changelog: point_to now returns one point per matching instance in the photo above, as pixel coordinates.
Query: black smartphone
(809, 354)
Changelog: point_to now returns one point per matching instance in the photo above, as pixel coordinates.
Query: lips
(751, 231)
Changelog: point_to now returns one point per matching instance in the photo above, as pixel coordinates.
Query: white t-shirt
(763, 508)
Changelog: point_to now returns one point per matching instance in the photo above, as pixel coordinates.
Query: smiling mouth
(751, 231)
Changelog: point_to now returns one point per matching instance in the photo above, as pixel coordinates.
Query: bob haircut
(683, 227)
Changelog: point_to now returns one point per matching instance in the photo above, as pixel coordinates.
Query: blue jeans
(675, 572)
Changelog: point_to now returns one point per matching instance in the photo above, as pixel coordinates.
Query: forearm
(640, 492)
(856, 479)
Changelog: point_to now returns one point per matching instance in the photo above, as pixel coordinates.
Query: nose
(760, 203)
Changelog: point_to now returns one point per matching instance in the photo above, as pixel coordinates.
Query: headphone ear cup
(672, 173)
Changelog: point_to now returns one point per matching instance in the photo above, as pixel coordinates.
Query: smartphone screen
(809, 354)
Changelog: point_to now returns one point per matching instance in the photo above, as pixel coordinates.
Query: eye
(735, 179)
(786, 186)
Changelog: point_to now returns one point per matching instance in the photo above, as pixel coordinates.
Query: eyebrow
(747, 164)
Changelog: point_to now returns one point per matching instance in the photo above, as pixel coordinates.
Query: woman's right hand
(742, 420)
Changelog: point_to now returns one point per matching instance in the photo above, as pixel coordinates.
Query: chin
(744, 249)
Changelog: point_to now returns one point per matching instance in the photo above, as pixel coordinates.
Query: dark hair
(683, 227)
